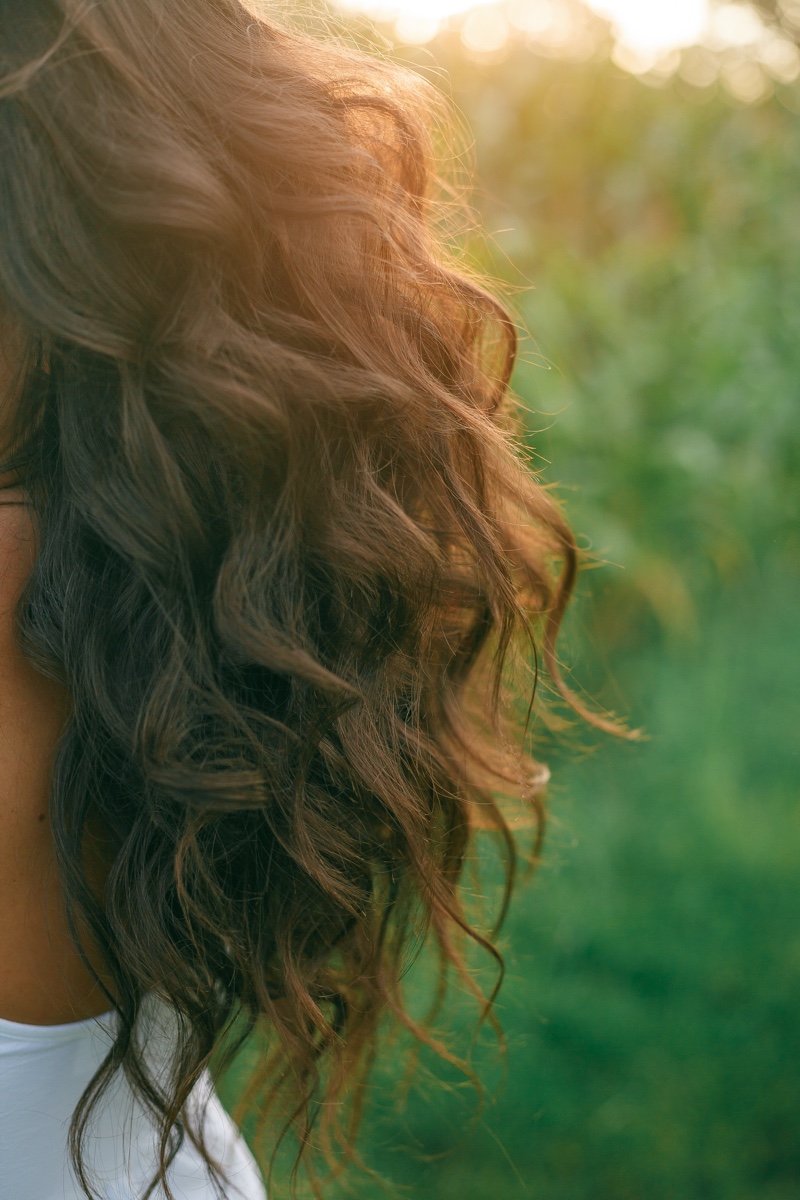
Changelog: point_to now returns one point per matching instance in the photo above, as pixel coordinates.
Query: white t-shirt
(43, 1072)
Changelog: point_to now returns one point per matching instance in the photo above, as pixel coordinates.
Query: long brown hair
(288, 540)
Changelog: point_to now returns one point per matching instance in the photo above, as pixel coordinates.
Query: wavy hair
(288, 540)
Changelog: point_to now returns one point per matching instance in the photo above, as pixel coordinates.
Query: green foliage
(663, 243)
(654, 962)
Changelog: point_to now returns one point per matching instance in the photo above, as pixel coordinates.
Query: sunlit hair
(289, 544)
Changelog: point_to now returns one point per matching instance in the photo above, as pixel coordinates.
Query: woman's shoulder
(43, 980)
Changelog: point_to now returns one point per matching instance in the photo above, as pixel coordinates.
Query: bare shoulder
(43, 981)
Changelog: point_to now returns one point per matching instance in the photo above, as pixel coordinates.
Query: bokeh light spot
(485, 31)
(651, 26)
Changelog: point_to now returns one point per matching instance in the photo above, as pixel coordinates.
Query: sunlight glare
(412, 13)
(655, 26)
(649, 33)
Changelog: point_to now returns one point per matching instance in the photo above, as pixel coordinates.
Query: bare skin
(43, 980)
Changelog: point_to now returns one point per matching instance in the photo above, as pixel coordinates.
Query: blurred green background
(651, 1007)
